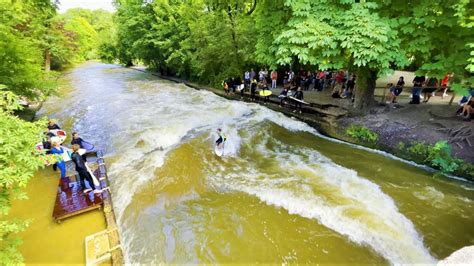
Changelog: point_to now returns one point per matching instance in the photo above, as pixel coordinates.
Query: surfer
(253, 89)
(220, 141)
(76, 139)
(298, 95)
(81, 169)
(52, 125)
(283, 95)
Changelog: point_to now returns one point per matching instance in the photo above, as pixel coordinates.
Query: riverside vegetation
(35, 43)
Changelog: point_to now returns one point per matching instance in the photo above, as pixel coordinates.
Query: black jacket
(54, 126)
(77, 141)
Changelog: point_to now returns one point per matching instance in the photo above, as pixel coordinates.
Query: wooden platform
(71, 201)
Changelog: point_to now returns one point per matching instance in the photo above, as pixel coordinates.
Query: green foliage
(362, 134)
(205, 41)
(437, 155)
(209, 40)
(18, 162)
(419, 150)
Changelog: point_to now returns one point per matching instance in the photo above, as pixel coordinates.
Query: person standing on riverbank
(298, 95)
(247, 79)
(253, 90)
(444, 83)
(274, 76)
(291, 76)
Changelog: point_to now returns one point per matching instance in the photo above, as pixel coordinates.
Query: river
(281, 194)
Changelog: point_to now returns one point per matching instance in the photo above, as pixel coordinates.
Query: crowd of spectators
(340, 83)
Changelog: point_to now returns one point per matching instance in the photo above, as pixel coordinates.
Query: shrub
(419, 150)
(362, 134)
(439, 155)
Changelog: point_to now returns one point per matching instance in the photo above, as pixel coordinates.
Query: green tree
(18, 162)
(20, 56)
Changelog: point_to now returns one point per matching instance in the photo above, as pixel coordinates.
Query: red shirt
(274, 75)
(445, 80)
(339, 76)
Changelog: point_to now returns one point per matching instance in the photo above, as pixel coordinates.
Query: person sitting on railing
(395, 91)
(468, 109)
(465, 100)
(429, 89)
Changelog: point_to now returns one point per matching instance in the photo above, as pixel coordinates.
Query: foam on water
(181, 112)
(150, 119)
(310, 185)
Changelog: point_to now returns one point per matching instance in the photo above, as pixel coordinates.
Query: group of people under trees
(340, 83)
(429, 87)
(421, 84)
(52, 145)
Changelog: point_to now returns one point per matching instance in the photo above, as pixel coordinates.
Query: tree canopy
(207, 40)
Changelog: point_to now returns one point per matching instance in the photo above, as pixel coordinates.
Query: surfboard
(265, 93)
(87, 145)
(240, 87)
(94, 178)
(60, 134)
(219, 150)
(298, 100)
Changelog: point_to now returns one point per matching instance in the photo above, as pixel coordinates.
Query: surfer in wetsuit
(298, 95)
(81, 169)
(78, 140)
(221, 138)
(52, 125)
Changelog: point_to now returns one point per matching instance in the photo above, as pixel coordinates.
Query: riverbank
(402, 130)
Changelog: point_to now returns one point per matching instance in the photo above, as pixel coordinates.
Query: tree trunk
(47, 60)
(364, 94)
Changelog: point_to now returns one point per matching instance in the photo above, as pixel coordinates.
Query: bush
(437, 155)
(362, 134)
(419, 150)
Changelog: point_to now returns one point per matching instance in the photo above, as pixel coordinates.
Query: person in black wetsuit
(81, 169)
(78, 140)
(52, 125)
(298, 95)
(221, 138)
(253, 90)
